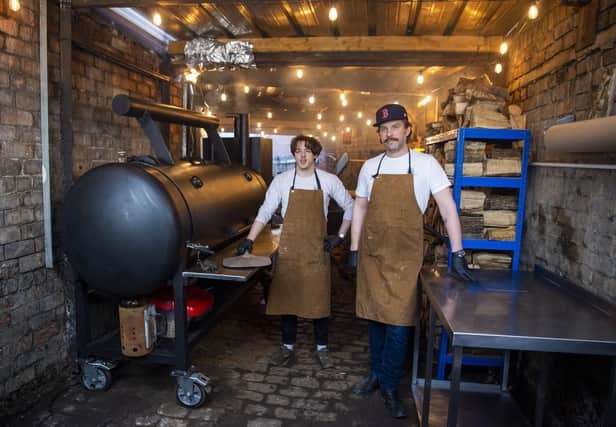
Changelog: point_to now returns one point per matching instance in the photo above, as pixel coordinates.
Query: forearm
(454, 230)
(357, 223)
(255, 229)
(344, 227)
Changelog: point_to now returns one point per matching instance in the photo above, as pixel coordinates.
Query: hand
(352, 262)
(459, 266)
(331, 241)
(244, 246)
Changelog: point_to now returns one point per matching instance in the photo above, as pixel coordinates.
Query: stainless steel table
(512, 311)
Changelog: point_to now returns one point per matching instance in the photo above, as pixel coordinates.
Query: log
(507, 234)
(468, 169)
(472, 224)
(499, 218)
(471, 202)
(474, 151)
(492, 260)
(498, 202)
(502, 167)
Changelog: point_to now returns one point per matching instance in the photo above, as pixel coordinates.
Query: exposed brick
(25, 33)
(30, 262)
(6, 97)
(7, 185)
(28, 102)
(14, 150)
(4, 79)
(8, 26)
(32, 167)
(583, 83)
(18, 118)
(9, 234)
(18, 249)
(9, 167)
(19, 216)
(19, 47)
(33, 198)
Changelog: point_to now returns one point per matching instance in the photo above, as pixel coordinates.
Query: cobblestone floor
(247, 392)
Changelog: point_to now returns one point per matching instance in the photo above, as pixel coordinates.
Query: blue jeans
(388, 345)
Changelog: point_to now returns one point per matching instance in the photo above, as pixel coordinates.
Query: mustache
(391, 139)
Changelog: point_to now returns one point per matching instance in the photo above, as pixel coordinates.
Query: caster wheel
(192, 396)
(100, 380)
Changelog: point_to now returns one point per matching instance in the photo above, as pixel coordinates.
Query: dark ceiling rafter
(217, 23)
(488, 17)
(413, 18)
(249, 16)
(167, 12)
(451, 25)
(333, 25)
(288, 12)
(371, 6)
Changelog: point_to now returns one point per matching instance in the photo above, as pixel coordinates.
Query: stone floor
(246, 391)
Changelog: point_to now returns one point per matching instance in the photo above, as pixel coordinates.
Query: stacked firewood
(483, 159)
(479, 104)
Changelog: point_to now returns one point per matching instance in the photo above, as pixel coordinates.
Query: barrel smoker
(134, 228)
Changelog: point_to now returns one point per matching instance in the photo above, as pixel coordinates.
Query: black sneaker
(325, 360)
(394, 404)
(282, 357)
(367, 386)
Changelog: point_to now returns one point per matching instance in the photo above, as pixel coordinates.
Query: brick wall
(570, 219)
(36, 313)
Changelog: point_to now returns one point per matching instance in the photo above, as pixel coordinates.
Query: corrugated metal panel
(434, 16)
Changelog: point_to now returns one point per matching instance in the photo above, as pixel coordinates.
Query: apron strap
(378, 169)
(315, 175)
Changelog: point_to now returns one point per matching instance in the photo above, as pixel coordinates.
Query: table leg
(610, 410)
(505, 377)
(540, 399)
(425, 412)
(454, 389)
(416, 336)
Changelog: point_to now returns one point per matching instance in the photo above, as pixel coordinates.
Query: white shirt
(428, 175)
(278, 192)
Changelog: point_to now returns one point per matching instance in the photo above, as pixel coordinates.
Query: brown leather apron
(390, 251)
(302, 283)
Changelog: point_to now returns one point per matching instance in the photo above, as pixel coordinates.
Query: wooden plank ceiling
(372, 52)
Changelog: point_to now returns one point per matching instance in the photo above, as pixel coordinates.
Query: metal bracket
(89, 366)
(156, 138)
(186, 379)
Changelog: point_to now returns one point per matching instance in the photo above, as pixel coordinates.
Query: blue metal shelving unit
(460, 181)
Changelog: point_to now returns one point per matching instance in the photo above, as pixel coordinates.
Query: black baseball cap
(390, 112)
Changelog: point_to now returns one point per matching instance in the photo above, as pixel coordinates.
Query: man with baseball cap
(392, 192)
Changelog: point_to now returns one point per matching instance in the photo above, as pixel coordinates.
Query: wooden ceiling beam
(451, 25)
(288, 13)
(371, 6)
(375, 44)
(413, 18)
(249, 15)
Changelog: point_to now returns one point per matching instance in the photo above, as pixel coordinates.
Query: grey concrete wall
(36, 312)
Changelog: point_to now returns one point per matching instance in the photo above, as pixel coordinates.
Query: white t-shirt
(278, 192)
(429, 177)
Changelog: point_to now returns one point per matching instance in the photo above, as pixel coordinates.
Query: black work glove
(331, 241)
(352, 262)
(459, 266)
(244, 246)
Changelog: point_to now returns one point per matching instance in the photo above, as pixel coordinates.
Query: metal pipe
(124, 105)
(66, 88)
(573, 165)
(46, 171)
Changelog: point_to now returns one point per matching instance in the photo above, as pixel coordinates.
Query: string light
(275, 130)
(156, 19)
(319, 126)
(503, 48)
(420, 78)
(533, 11)
(191, 76)
(262, 133)
(258, 125)
(341, 117)
(424, 101)
(319, 116)
(209, 113)
(222, 130)
(498, 68)
(324, 134)
(299, 73)
(246, 89)
(14, 5)
(344, 102)
(223, 97)
(311, 99)
(333, 13)
(269, 114)
(342, 97)
(368, 122)
(360, 114)
(333, 137)
(348, 129)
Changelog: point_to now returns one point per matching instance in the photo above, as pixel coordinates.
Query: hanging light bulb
(324, 134)
(498, 68)
(223, 97)
(503, 48)
(156, 19)
(319, 116)
(311, 99)
(269, 114)
(258, 125)
(14, 5)
(341, 117)
(209, 113)
(333, 13)
(299, 73)
(347, 129)
(360, 114)
(345, 102)
(222, 130)
(319, 126)
(533, 11)
(333, 137)
(262, 133)
(246, 89)
(368, 122)
(342, 97)
(275, 130)
(420, 78)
